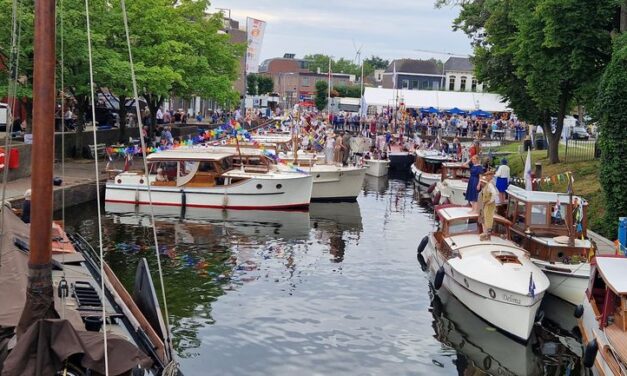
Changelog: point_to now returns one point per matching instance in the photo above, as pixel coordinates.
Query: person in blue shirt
(472, 190)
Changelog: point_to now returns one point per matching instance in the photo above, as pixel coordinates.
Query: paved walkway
(77, 172)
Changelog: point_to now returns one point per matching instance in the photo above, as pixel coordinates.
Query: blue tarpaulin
(429, 110)
(456, 111)
(480, 113)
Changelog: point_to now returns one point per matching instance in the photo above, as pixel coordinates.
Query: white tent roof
(442, 100)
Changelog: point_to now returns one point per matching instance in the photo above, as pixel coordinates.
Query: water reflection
(336, 290)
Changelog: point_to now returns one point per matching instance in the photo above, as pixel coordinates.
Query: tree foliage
(541, 55)
(347, 91)
(321, 99)
(321, 62)
(611, 112)
(265, 84)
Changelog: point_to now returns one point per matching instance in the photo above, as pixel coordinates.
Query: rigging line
(14, 64)
(93, 123)
(168, 340)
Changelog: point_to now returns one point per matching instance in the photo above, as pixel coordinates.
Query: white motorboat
(377, 167)
(427, 167)
(203, 179)
(494, 278)
(452, 187)
(555, 246)
(602, 318)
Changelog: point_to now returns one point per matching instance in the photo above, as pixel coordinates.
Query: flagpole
(245, 69)
(329, 87)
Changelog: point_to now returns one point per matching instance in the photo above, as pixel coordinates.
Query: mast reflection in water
(336, 290)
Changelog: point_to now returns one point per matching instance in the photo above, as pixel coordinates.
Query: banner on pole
(255, 29)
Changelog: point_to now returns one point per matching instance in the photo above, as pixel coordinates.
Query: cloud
(391, 28)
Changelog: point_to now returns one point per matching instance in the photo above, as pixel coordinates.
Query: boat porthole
(317, 176)
(259, 186)
(119, 181)
(466, 282)
(492, 294)
(279, 186)
(487, 362)
(141, 181)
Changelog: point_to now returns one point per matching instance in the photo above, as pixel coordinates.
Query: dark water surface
(335, 291)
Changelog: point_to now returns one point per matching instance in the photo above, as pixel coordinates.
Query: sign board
(254, 29)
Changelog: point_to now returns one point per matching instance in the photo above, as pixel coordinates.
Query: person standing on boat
(472, 193)
(487, 199)
(329, 148)
(502, 179)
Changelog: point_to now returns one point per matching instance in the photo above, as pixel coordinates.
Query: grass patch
(586, 176)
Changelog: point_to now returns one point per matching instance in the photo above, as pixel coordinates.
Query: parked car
(579, 133)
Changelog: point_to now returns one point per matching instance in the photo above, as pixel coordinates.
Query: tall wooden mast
(39, 301)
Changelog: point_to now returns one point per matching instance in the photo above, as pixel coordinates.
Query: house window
(425, 85)
(474, 85)
(451, 83)
(414, 85)
(405, 84)
(463, 83)
(305, 81)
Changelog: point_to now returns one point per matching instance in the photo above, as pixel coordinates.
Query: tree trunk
(554, 138)
(623, 17)
(122, 115)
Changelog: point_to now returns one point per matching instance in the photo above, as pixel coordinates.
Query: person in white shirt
(159, 116)
(502, 179)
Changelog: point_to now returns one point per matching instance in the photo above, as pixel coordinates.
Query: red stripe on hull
(280, 207)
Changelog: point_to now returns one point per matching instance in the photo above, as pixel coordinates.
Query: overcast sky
(387, 28)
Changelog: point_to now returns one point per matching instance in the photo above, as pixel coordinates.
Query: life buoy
(436, 198)
(578, 311)
(431, 188)
(590, 353)
(423, 244)
(439, 278)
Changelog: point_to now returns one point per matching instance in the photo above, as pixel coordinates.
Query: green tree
(321, 99)
(611, 112)
(265, 84)
(348, 91)
(252, 82)
(376, 62)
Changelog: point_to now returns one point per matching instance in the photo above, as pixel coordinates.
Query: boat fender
(423, 244)
(439, 278)
(590, 353)
(578, 311)
(422, 262)
(431, 188)
(436, 198)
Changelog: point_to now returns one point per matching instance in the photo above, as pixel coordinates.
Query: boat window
(558, 217)
(459, 226)
(187, 168)
(206, 166)
(227, 164)
(538, 214)
(521, 212)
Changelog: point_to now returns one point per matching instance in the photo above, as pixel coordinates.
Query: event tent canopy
(456, 111)
(429, 110)
(481, 113)
(442, 100)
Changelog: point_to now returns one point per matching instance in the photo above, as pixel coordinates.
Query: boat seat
(202, 180)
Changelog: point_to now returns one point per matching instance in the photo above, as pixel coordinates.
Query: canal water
(333, 291)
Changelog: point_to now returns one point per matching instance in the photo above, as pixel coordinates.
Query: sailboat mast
(39, 297)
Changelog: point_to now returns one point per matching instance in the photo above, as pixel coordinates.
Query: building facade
(460, 76)
(411, 74)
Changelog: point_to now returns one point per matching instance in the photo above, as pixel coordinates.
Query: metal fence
(581, 150)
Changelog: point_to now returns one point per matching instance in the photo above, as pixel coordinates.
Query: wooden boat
(602, 317)
(330, 182)
(495, 278)
(552, 239)
(204, 179)
(452, 187)
(427, 169)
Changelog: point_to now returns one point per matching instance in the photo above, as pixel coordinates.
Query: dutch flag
(532, 286)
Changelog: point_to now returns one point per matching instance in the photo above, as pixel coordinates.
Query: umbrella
(480, 113)
(429, 110)
(456, 111)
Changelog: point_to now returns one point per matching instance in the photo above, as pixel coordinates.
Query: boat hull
(255, 193)
(400, 161)
(567, 282)
(377, 167)
(423, 178)
(510, 312)
(589, 327)
(341, 184)
(452, 190)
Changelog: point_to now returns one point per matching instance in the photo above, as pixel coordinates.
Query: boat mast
(39, 300)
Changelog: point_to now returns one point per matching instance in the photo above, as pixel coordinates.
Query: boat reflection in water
(481, 349)
(335, 224)
(376, 185)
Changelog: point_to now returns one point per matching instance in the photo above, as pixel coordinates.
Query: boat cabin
(455, 170)
(191, 169)
(430, 161)
(454, 220)
(547, 226)
(607, 294)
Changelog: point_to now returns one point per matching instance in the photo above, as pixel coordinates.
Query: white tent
(442, 100)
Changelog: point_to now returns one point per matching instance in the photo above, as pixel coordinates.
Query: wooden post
(39, 300)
